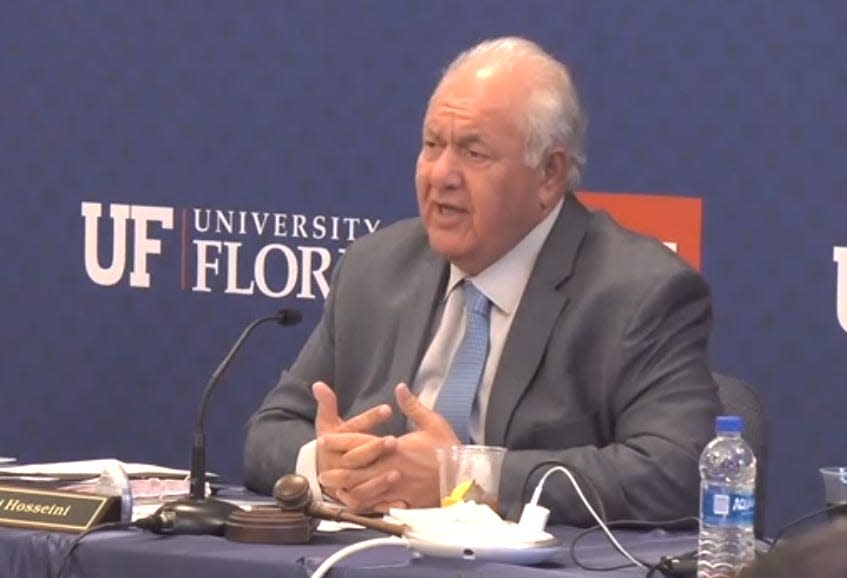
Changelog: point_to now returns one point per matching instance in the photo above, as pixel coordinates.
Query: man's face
(476, 196)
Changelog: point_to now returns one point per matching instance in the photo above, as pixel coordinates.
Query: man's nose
(446, 170)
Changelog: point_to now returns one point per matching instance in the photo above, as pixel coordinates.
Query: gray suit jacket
(604, 369)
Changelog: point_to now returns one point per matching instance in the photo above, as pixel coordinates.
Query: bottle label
(722, 508)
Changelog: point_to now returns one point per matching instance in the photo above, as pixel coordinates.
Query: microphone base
(269, 525)
(191, 516)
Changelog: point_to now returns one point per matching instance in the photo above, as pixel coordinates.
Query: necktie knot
(475, 301)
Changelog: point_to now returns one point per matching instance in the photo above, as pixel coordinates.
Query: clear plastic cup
(835, 490)
(470, 473)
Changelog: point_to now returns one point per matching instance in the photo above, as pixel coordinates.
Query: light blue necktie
(455, 400)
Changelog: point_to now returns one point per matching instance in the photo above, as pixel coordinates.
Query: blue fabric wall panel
(312, 109)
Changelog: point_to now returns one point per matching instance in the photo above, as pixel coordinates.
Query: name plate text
(55, 509)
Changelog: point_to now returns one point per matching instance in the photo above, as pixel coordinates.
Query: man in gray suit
(597, 347)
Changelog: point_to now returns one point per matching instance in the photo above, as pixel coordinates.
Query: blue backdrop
(232, 151)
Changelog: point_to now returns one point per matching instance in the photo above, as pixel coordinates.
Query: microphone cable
(677, 565)
(781, 532)
(154, 523)
(98, 528)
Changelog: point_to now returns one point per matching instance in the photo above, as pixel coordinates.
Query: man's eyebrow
(470, 139)
(464, 140)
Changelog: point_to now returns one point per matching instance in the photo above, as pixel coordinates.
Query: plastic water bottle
(727, 502)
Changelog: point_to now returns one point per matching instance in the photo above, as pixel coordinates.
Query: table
(137, 554)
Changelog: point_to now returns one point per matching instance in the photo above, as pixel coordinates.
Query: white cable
(536, 495)
(327, 564)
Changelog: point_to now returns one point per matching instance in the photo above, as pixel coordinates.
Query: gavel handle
(329, 512)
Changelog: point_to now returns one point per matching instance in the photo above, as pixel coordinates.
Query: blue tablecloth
(137, 554)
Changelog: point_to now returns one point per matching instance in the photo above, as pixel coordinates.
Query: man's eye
(475, 154)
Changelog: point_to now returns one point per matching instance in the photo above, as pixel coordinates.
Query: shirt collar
(503, 281)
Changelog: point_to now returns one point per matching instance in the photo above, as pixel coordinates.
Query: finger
(352, 504)
(332, 447)
(342, 443)
(423, 417)
(385, 507)
(372, 491)
(368, 452)
(345, 478)
(333, 479)
(367, 420)
(326, 418)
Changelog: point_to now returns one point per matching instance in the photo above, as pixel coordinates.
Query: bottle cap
(729, 424)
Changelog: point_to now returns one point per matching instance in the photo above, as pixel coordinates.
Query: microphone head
(289, 316)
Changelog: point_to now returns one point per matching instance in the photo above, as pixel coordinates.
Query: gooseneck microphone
(198, 514)
(198, 449)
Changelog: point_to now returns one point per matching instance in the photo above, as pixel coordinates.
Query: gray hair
(553, 114)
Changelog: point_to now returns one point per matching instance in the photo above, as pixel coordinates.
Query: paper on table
(142, 489)
(331, 526)
(90, 468)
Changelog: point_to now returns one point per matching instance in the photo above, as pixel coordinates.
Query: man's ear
(554, 168)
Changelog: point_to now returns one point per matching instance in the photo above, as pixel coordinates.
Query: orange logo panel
(676, 221)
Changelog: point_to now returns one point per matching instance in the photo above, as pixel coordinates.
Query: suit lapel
(540, 308)
(422, 303)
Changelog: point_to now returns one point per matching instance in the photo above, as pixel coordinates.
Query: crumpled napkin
(465, 522)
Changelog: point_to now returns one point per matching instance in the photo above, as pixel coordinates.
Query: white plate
(7, 460)
(470, 549)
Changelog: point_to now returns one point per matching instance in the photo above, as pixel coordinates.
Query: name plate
(55, 509)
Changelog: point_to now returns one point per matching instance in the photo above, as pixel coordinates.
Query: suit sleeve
(662, 400)
(285, 420)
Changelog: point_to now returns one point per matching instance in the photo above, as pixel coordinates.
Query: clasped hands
(371, 473)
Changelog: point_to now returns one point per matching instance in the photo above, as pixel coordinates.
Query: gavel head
(293, 494)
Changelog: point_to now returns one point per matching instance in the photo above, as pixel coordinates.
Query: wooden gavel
(293, 494)
(295, 517)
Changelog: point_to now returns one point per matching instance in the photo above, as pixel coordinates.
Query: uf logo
(143, 245)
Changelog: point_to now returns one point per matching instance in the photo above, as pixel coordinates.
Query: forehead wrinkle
(445, 123)
(454, 133)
